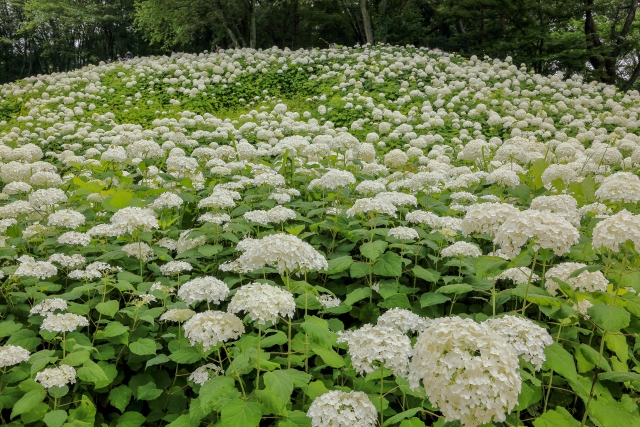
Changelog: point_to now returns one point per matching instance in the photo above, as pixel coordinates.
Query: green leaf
(84, 415)
(619, 377)
(131, 419)
(298, 378)
(614, 414)
(528, 396)
(338, 265)
(28, 401)
(372, 250)
(432, 298)
(186, 355)
(213, 391)
(559, 360)
(457, 288)
(611, 319)
(388, 265)
(239, 413)
(209, 250)
(93, 373)
(120, 397)
(295, 419)
(397, 300)
(76, 358)
(330, 357)
(108, 308)
(159, 359)
(9, 328)
(280, 382)
(357, 295)
(592, 356)
(360, 269)
(148, 391)
(428, 275)
(413, 422)
(55, 418)
(114, 329)
(143, 346)
(270, 402)
(559, 417)
(401, 416)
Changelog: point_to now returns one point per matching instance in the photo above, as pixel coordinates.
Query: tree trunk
(366, 21)
(384, 20)
(252, 19)
(225, 24)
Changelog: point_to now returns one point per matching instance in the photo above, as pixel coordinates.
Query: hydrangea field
(347, 237)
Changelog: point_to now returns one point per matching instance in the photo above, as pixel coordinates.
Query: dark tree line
(596, 38)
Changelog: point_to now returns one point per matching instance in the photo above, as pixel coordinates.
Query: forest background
(599, 39)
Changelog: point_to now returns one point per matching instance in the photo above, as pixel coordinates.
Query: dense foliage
(337, 237)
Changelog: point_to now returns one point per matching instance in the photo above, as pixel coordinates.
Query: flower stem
(526, 293)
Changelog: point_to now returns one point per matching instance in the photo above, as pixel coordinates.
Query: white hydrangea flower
(461, 248)
(586, 281)
(205, 288)
(66, 322)
(403, 233)
(620, 187)
(204, 373)
(328, 301)
(74, 238)
(175, 267)
(67, 218)
(518, 275)
(139, 250)
(48, 306)
(210, 327)
(40, 269)
(486, 218)
(177, 315)
(404, 320)
(528, 339)
(370, 205)
(611, 232)
(468, 371)
(263, 303)
(68, 261)
(12, 355)
(340, 409)
(56, 377)
(129, 219)
(285, 252)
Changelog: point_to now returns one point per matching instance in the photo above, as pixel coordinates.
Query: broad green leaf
(593, 357)
(76, 358)
(372, 250)
(614, 414)
(280, 382)
(295, 419)
(213, 391)
(108, 308)
(360, 269)
(120, 397)
(239, 413)
(338, 265)
(611, 319)
(84, 415)
(428, 275)
(186, 355)
(114, 329)
(401, 416)
(28, 401)
(388, 265)
(431, 298)
(528, 396)
(55, 418)
(619, 377)
(559, 360)
(8, 328)
(357, 295)
(131, 419)
(158, 360)
(270, 402)
(457, 288)
(330, 357)
(210, 250)
(412, 422)
(93, 373)
(298, 378)
(143, 346)
(559, 417)
(148, 391)
(397, 300)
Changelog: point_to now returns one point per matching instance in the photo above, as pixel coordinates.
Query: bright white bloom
(468, 371)
(56, 377)
(611, 232)
(67, 322)
(404, 320)
(262, 302)
(30, 267)
(204, 373)
(45, 198)
(518, 275)
(205, 288)
(175, 267)
(486, 218)
(12, 355)
(177, 315)
(127, 220)
(333, 179)
(404, 233)
(528, 339)
(211, 327)
(586, 281)
(563, 205)
(339, 409)
(546, 230)
(387, 345)
(167, 201)
(396, 158)
(282, 251)
(72, 261)
(461, 248)
(67, 218)
(328, 301)
(620, 187)
(48, 306)
(375, 206)
(139, 250)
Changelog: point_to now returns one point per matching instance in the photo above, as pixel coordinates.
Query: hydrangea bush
(346, 237)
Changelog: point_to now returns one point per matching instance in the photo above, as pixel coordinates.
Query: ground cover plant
(346, 237)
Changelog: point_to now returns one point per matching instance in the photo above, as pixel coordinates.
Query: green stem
(244, 394)
(381, 395)
(595, 379)
(546, 397)
(526, 293)
(258, 359)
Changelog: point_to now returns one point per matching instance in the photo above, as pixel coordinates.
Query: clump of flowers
(263, 303)
(204, 373)
(56, 377)
(12, 355)
(340, 409)
(587, 281)
(66, 322)
(211, 327)
(206, 288)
